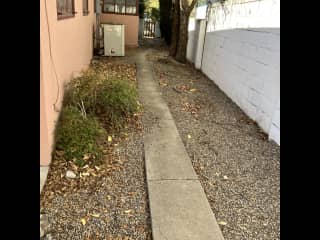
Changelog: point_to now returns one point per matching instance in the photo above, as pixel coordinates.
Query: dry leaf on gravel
(222, 223)
(83, 221)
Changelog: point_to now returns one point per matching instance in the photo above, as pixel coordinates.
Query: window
(128, 7)
(131, 6)
(65, 8)
(85, 6)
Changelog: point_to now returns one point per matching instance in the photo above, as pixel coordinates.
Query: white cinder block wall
(242, 56)
(191, 37)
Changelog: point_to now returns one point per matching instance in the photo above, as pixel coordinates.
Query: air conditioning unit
(113, 39)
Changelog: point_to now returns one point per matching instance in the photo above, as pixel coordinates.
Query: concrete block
(165, 155)
(180, 211)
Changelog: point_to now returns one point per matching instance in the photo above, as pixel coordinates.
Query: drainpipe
(205, 32)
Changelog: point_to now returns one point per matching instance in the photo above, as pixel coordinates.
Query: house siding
(71, 43)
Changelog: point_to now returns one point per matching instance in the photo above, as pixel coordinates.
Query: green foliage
(155, 14)
(113, 100)
(116, 101)
(89, 99)
(77, 136)
(83, 90)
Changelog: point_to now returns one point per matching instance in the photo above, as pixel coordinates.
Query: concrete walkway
(179, 207)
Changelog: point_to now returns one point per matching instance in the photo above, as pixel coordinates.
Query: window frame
(65, 16)
(114, 12)
(85, 12)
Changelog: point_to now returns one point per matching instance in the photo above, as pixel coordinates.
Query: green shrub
(77, 136)
(83, 90)
(87, 99)
(114, 100)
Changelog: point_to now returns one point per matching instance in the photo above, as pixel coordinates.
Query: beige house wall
(71, 43)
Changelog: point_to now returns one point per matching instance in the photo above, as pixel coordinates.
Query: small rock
(48, 237)
(70, 174)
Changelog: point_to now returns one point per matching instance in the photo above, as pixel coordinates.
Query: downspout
(205, 32)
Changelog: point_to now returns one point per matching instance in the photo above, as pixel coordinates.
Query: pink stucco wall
(131, 26)
(71, 47)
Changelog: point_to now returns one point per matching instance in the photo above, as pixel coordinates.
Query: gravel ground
(238, 167)
(111, 203)
(119, 198)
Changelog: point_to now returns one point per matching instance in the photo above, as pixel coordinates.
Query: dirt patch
(238, 167)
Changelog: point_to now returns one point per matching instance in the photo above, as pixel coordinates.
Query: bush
(77, 136)
(114, 100)
(88, 99)
(83, 90)
(155, 14)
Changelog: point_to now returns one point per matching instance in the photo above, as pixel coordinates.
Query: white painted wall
(201, 12)
(242, 56)
(191, 37)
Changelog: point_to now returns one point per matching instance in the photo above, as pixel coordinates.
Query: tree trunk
(165, 19)
(175, 29)
(183, 37)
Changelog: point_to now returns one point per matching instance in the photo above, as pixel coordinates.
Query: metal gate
(149, 29)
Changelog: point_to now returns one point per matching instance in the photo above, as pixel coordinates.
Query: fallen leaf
(109, 139)
(128, 211)
(98, 169)
(222, 223)
(86, 157)
(225, 177)
(189, 136)
(83, 221)
(85, 174)
(193, 90)
(95, 215)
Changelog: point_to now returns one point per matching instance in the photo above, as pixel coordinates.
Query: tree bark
(165, 19)
(175, 29)
(183, 37)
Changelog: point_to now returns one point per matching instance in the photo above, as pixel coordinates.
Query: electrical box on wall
(113, 39)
